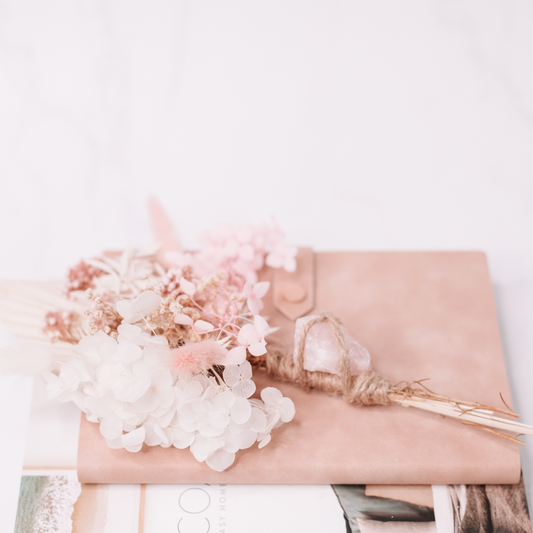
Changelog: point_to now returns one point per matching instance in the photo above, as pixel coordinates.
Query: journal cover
(421, 315)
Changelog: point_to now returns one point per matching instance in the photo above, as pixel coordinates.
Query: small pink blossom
(188, 287)
(283, 256)
(253, 295)
(251, 338)
(200, 326)
(183, 320)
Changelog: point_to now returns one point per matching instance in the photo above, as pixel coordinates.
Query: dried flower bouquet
(156, 354)
(153, 345)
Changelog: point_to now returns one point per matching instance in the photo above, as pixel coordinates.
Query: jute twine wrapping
(369, 388)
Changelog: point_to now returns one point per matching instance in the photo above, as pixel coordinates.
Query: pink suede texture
(421, 315)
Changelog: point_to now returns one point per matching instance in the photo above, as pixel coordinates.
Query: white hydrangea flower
(238, 378)
(277, 406)
(135, 310)
(225, 407)
(136, 335)
(133, 441)
(159, 394)
(220, 459)
(67, 381)
(125, 385)
(182, 439)
(203, 447)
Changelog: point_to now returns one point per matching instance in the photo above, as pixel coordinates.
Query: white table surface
(357, 125)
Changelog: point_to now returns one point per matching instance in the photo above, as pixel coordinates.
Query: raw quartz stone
(321, 351)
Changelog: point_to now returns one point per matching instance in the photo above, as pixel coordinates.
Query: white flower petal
(223, 401)
(55, 385)
(164, 420)
(69, 377)
(261, 325)
(165, 397)
(254, 305)
(264, 441)
(135, 448)
(162, 379)
(107, 374)
(123, 308)
(200, 378)
(261, 288)
(182, 439)
(246, 439)
(230, 443)
(193, 389)
(289, 264)
(184, 320)
(133, 440)
(241, 411)
(287, 410)
(271, 396)
(244, 388)
(257, 421)
(147, 402)
(211, 430)
(88, 346)
(246, 370)
(115, 444)
(152, 437)
(248, 335)
(81, 368)
(111, 427)
(220, 460)
(107, 350)
(128, 352)
(145, 304)
(203, 447)
(123, 388)
(158, 430)
(201, 326)
(258, 348)
(236, 356)
(187, 287)
(231, 374)
(169, 437)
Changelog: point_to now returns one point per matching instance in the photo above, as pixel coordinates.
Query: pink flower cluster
(240, 252)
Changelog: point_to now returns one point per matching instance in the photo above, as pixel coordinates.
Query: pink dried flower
(61, 326)
(170, 282)
(253, 295)
(196, 357)
(80, 277)
(251, 338)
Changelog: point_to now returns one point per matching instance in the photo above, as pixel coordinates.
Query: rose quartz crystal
(321, 348)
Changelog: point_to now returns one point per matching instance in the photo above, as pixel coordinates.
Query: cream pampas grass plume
(25, 358)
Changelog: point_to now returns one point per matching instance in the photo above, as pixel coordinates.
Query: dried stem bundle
(369, 388)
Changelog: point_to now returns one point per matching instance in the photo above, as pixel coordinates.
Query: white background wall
(358, 125)
(367, 125)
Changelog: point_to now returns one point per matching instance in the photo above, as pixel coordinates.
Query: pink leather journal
(421, 315)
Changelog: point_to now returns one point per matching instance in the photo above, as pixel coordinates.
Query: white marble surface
(358, 125)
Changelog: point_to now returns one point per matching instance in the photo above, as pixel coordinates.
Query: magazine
(434, 509)
(54, 500)
(171, 508)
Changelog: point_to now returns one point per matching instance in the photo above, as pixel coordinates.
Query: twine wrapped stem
(370, 388)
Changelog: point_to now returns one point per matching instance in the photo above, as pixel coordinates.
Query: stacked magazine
(53, 500)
